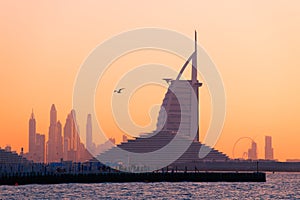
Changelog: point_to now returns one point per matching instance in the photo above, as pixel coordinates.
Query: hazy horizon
(255, 46)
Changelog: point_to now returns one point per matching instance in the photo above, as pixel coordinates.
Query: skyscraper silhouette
(39, 155)
(66, 147)
(54, 145)
(36, 151)
(252, 152)
(71, 139)
(269, 152)
(89, 136)
(73, 148)
(32, 132)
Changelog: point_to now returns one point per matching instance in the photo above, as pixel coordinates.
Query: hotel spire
(194, 62)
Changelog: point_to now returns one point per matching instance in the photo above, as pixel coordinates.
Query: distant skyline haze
(255, 46)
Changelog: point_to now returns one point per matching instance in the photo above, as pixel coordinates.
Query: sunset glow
(254, 44)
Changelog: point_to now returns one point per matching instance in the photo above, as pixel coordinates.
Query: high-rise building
(32, 132)
(36, 151)
(89, 135)
(252, 152)
(185, 114)
(59, 142)
(53, 115)
(70, 138)
(269, 152)
(179, 116)
(74, 149)
(54, 144)
(40, 148)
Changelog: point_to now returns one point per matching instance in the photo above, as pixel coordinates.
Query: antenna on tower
(32, 114)
(194, 61)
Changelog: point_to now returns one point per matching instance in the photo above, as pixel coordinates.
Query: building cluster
(269, 151)
(63, 142)
(93, 148)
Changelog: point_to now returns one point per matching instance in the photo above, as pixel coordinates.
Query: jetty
(122, 177)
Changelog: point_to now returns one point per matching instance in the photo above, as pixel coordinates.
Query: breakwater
(55, 178)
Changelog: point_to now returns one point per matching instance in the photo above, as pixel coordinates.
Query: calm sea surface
(278, 186)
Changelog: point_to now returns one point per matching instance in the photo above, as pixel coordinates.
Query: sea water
(278, 186)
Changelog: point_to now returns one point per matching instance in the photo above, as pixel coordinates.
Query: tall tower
(71, 138)
(32, 134)
(269, 152)
(53, 115)
(183, 91)
(195, 85)
(54, 145)
(51, 151)
(58, 142)
(252, 152)
(179, 114)
(89, 136)
(40, 148)
(194, 63)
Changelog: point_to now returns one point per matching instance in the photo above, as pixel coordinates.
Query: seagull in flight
(168, 80)
(119, 90)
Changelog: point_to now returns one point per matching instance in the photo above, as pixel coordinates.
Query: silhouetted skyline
(258, 60)
(61, 145)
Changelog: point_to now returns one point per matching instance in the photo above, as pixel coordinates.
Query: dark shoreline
(133, 177)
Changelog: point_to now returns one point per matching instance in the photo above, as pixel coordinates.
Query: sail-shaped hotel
(179, 114)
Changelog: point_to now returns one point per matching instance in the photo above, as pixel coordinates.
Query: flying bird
(168, 80)
(119, 90)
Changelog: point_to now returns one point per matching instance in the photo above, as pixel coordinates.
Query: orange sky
(255, 44)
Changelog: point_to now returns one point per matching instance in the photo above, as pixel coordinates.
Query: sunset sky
(255, 45)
